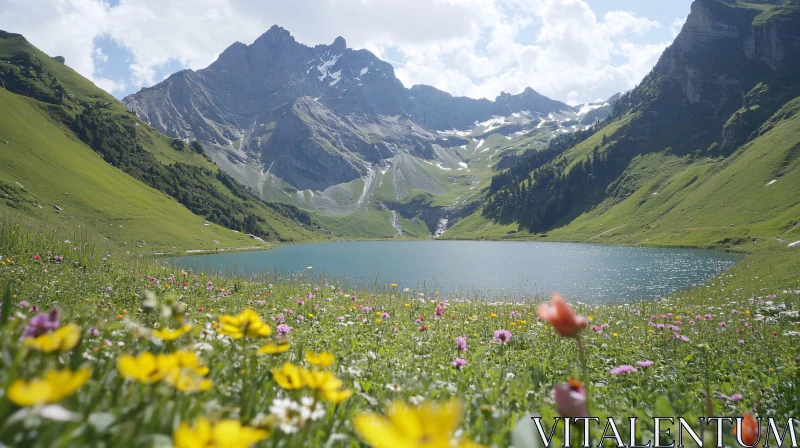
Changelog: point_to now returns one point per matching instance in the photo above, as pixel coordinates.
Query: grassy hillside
(665, 199)
(60, 128)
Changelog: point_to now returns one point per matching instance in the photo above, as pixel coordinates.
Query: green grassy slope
(673, 200)
(40, 164)
(54, 114)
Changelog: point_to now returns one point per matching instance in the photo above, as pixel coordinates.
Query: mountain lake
(593, 273)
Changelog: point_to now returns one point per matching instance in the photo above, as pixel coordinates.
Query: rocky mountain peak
(339, 45)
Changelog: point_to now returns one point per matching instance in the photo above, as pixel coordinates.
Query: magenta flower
(461, 343)
(42, 323)
(502, 336)
(385, 316)
(596, 328)
(625, 368)
(570, 399)
(459, 363)
(644, 364)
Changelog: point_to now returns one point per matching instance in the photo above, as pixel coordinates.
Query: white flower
(355, 370)
(288, 414)
(203, 347)
(292, 415)
(394, 387)
(510, 376)
(416, 400)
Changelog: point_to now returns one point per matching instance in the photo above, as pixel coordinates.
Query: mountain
(705, 151)
(71, 154)
(332, 129)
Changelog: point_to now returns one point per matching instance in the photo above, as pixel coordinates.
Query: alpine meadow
(111, 336)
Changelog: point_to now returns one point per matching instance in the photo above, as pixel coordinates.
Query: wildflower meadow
(107, 349)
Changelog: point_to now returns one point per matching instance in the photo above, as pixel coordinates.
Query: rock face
(314, 117)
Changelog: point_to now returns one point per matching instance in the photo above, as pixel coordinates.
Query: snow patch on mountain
(326, 66)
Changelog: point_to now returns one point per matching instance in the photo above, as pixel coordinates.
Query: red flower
(562, 317)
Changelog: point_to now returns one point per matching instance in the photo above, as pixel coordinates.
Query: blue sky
(571, 50)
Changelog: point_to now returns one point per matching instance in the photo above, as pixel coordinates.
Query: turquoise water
(590, 272)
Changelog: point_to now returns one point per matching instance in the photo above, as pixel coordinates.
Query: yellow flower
(394, 285)
(614, 334)
(429, 426)
(63, 339)
(326, 385)
(289, 376)
(55, 386)
(170, 335)
(248, 324)
(188, 380)
(146, 368)
(273, 349)
(493, 315)
(189, 360)
(406, 305)
(322, 359)
(226, 433)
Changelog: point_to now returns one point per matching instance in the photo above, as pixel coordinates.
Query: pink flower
(309, 296)
(461, 343)
(625, 368)
(570, 399)
(502, 336)
(385, 316)
(283, 330)
(301, 303)
(741, 341)
(596, 328)
(459, 363)
(340, 318)
(644, 364)
(736, 397)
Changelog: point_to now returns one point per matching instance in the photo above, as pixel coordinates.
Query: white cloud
(110, 85)
(620, 22)
(677, 25)
(466, 47)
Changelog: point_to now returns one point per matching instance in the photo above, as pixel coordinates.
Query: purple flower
(625, 368)
(681, 337)
(736, 397)
(385, 316)
(309, 296)
(42, 323)
(340, 318)
(461, 343)
(741, 341)
(94, 332)
(283, 330)
(644, 364)
(459, 363)
(502, 336)
(723, 324)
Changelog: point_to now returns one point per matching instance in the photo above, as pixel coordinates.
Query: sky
(575, 51)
